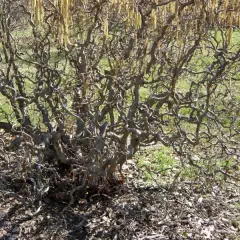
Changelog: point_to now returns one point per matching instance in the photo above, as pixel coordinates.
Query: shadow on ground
(130, 213)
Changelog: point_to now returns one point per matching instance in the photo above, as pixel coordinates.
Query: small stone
(3, 233)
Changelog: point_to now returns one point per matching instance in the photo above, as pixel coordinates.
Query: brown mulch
(129, 211)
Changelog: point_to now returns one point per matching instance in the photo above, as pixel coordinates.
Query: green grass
(161, 165)
(164, 159)
(236, 37)
(157, 162)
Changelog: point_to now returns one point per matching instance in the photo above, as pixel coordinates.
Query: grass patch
(157, 164)
(161, 165)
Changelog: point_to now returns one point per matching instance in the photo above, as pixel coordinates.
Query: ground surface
(185, 210)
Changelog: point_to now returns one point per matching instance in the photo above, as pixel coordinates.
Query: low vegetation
(88, 86)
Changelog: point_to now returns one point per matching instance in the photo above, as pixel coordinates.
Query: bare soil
(133, 210)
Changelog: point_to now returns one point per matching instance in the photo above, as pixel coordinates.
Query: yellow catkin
(176, 9)
(33, 3)
(146, 44)
(177, 35)
(138, 21)
(203, 20)
(153, 21)
(172, 7)
(225, 5)
(164, 11)
(177, 21)
(105, 27)
(224, 12)
(236, 4)
(125, 6)
(119, 6)
(236, 8)
(131, 17)
(178, 31)
(230, 31)
(41, 10)
(135, 39)
(212, 6)
(38, 13)
(65, 22)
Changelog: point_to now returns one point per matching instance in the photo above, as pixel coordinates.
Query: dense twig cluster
(120, 77)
